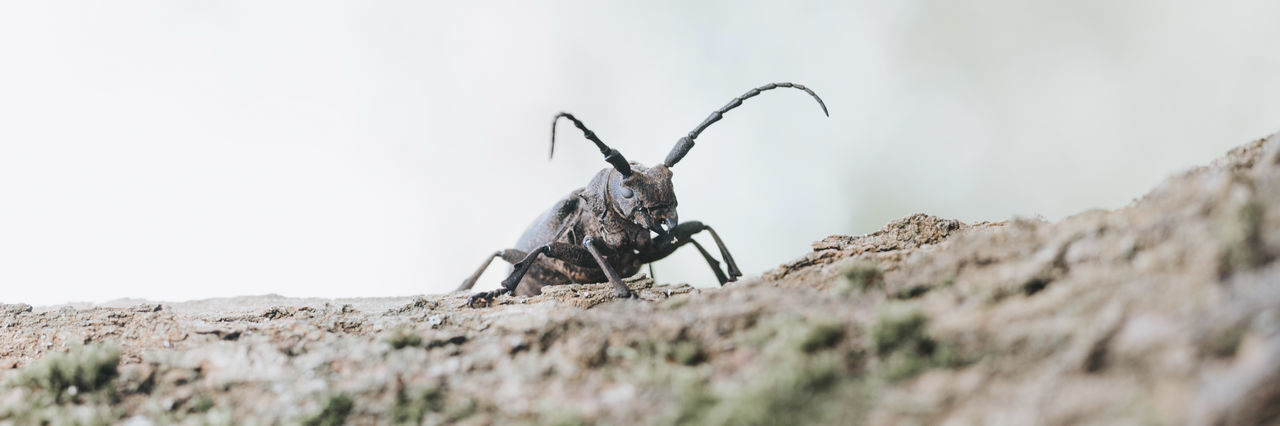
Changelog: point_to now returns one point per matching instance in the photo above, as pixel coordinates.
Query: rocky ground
(1166, 311)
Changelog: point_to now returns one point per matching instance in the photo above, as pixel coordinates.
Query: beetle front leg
(711, 261)
(620, 289)
(729, 264)
(682, 234)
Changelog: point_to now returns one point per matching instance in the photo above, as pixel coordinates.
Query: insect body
(624, 218)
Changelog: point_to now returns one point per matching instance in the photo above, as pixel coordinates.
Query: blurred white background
(174, 150)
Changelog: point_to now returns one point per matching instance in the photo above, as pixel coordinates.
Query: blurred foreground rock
(1166, 311)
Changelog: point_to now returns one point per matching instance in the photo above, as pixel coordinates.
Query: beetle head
(646, 197)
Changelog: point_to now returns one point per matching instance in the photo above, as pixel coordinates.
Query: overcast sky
(173, 150)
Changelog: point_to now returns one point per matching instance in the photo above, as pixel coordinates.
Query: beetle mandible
(624, 218)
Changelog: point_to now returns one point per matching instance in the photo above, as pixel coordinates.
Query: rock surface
(1164, 311)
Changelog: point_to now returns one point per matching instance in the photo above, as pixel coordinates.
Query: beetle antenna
(611, 155)
(686, 143)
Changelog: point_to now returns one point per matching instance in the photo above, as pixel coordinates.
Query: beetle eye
(626, 192)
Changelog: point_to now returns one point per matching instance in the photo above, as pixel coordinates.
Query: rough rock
(1164, 311)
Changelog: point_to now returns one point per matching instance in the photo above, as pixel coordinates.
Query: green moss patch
(1241, 233)
(79, 371)
(859, 275)
(333, 412)
(72, 387)
(412, 409)
(902, 343)
(402, 338)
(802, 374)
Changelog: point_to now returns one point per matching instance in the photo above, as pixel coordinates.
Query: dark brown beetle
(625, 218)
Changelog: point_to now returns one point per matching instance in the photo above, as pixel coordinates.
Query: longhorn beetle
(624, 218)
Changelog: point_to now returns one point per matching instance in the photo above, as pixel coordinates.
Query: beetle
(624, 218)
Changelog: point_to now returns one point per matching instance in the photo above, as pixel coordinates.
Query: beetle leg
(715, 266)
(569, 253)
(509, 255)
(486, 297)
(509, 284)
(734, 273)
(620, 289)
(682, 234)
